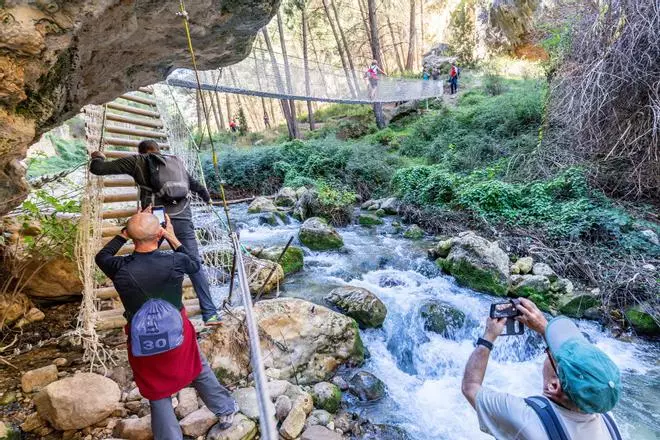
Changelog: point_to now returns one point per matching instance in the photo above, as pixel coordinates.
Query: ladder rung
(140, 100)
(122, 142)
(135, 132)
(118, 213)
(135, 121)
(111, 231)
(110, 292)
(114, 154)
(134, 110)
(120, 182)
(147, 90)
(111, 319)
(123, 197)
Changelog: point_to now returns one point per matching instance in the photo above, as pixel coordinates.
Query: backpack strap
(549, 419)
(611, 427)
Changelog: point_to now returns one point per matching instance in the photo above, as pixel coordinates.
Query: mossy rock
(642, 321)
(366, 387)
(360, 304)
(359, 352)
(381, 213)
(414, 233)
(534, 287)
(476, 278)
(292, 261)
(576, 305)
(441, 318)
(326, 396)
(316, 234)
(369, 220)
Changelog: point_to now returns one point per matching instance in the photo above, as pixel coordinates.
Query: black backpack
(168, 177)
(553, 426)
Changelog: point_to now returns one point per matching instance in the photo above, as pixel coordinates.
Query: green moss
(576, 306)
(293, 260)
(321, 242)
(381, 213)
(542, 299)
(473, 277)
(330, 403)
(225, 377)
(369, 220)
(642, 322)
(359, 351)
(414, 233)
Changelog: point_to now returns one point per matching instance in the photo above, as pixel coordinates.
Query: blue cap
(587, 375)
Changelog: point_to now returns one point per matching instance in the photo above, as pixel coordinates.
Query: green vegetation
(68, 154)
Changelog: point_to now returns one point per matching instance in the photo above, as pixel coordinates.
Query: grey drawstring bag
(157, 327)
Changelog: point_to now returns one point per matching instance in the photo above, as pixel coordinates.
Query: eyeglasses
(552, 361)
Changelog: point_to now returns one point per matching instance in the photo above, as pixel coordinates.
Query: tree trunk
(365, 21)
(395, 44)
(318, 63)
(287, 73)
(223, 127)
(375, 51)
(326, 8)
(346, 47)
(305, 34)
(215, 112)
(286, 110)
(228, 104)
(412, 36)
(421, 26)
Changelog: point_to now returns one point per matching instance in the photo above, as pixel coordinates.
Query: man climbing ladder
(143, 168)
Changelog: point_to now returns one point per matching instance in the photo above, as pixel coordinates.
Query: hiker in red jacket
(454, 73)
(372, 76)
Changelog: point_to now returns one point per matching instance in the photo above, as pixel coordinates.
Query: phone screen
(159, 212)
(503, 310)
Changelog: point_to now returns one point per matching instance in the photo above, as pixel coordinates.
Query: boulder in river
(318, 235)
(575, 305)
(390, 205)
(326, 396)
(477, 263)
(366, 387)
(262, 204)
(369, 220)
(258, 271)
(286, 197)
(534, 287)
(414, 233)
(644, 319)
(78, 401)
(303, 340)
(318, 432)
(440, 317)
(360, 304)
(292, 260)
(308, 205)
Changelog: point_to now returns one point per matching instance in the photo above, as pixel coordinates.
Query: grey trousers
(164, 424)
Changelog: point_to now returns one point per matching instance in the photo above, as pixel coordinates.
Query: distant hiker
(425, 85)
(581, 385)
(454, 74)
(425, 75)
(233, 125)
(162, 345)
(266, 120)
(435, 74)
(372, 76)
(162, 180)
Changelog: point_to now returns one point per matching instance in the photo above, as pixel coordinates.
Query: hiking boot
(227, 420)
(213, 321)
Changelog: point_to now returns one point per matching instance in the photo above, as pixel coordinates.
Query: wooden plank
(110, 292)
(109, 182)
(133, 110)
(118, 213)
(123, 142)
(154, 123)
(147, 90)
(110, 231)
(114, 154)
(122, 197)
(139, 100)
(135, 132)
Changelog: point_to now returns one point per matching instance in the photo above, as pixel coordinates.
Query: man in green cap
(580, 386)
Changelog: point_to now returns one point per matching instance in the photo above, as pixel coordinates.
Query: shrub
(69, 153)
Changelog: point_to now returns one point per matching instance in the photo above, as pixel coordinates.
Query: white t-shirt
(508, 417)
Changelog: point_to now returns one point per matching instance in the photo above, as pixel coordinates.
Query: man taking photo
(580, 386)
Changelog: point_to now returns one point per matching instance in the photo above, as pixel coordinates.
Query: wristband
(485, 343)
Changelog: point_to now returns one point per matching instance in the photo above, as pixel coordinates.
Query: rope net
(257, 75)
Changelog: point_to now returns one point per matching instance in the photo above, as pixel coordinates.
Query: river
(423, 370)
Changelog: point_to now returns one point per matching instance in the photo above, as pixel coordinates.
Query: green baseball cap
(587, 375)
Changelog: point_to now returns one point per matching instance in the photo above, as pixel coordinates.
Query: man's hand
(124, 233)
(494, 328)
(531, 316)
(168, 226)
(97, 155)
(168, 234)
(148, 209)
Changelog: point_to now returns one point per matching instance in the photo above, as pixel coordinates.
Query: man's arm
(105, 258)
(199, 189)
(100, 167)
(475, 369)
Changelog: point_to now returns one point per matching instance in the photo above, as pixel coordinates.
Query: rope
(268, 430)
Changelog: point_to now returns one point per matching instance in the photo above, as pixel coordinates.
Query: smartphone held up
(159, 212)
(509, 311)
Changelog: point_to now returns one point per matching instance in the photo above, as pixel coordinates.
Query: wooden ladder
(129, 119)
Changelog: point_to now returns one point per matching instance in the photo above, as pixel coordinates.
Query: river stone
(282, 407)
(278, 387)
(366, 387)
(198, 422)
(8, 432)
(241, 429)
(318, 432)
(369, 220)
(187, 402)
(641, 318)
(294, 423)
(308, 205)
(390, 205)
(368, 203)
(380, 213)
(35, 380)
(534, 287)
(319, 417)
(286, 197)
(262, 204)
(575, 305)
(246, 399)
(440, 250)
(340, 382)
(477, 263)
(326, 396)
(414, 233)
(562, 286)
(78, 401)
(360, 304)
(371, 431)
(322, 339)
(292, 260)
(260, 270)
(522, 266)
(650, 236)
(542, 269)
(317, 235)
(441, 318)
(134, 429)
(374, 208)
